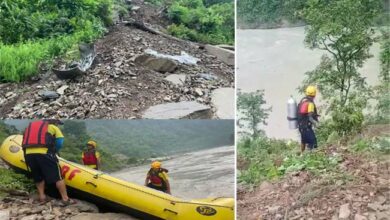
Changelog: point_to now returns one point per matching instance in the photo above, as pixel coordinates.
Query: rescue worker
(157, 178)
(307, 118)
(41, 140)
(91, 157)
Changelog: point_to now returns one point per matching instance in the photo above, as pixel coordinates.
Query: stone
(344, 211)
(30, 217)
(226, 56)
(179, 110)
(223, 101)
(161, 65)
(62, 89)
(266, 186)
(23, 211)
(48, 94)
(48, 217)
(208, 76)
(135, 8)
(373, 206)
(84, 206)
(273, 209)
(177, 79)
(198, 92)
(4, 214)
(360, 217)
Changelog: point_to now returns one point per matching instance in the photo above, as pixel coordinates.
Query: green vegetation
(202, 21)
(10, 180)
(35, 31)
(193, 21)
(277, 13)
(251, 106)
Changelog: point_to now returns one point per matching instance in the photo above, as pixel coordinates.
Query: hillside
(121, 82)
(344, 179)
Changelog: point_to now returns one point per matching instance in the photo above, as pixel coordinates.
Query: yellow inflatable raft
(106, 191)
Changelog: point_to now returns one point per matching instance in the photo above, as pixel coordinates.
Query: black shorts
(44, 167)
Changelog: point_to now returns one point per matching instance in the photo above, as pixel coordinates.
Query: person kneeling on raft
(41, 141)
(91, 157)
(157, 178)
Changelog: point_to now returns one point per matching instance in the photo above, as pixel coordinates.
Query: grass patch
(10, 180)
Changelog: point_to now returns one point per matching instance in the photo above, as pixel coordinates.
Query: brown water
(275, 60)
(201, 174)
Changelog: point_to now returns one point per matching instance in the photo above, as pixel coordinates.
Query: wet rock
(102, 216)
(223, 101)
(179, 110)
(177, 79)
(161, 65)
(344, 211)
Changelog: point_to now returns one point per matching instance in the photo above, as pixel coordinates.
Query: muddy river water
(275, 60)
(201, 174)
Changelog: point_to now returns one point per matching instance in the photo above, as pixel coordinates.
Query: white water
(275, 60)
(201, 174)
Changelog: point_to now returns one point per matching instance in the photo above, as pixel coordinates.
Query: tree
(251, 111)
(343, 29)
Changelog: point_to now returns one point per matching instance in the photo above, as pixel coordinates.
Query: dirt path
(117, 87)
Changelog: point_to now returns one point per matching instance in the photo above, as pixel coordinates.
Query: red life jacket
(90, 158)
(303, 114)
(36, 135)
(155, 178)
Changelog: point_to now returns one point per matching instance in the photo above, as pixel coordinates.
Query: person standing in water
(157, 178)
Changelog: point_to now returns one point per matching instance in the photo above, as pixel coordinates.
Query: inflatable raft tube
(119, 195)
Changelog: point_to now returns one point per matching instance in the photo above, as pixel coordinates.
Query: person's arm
(99, 161)
(312, 118)
(82, 158)
(168, 187)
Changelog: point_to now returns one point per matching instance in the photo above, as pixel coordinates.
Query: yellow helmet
(92, 143)
(156, 164)
(311, 91)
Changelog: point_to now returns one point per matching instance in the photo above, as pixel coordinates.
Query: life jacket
(90, 158)
(303, 114)
(37, 135)
(155, 177)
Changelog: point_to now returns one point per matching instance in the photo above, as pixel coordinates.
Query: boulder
(223, 101)
(102, 216)
(161, 65)
(177, 79)
(226, 56)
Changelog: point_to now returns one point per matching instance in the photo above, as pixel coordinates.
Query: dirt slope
(361, 190)
(115, 86)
